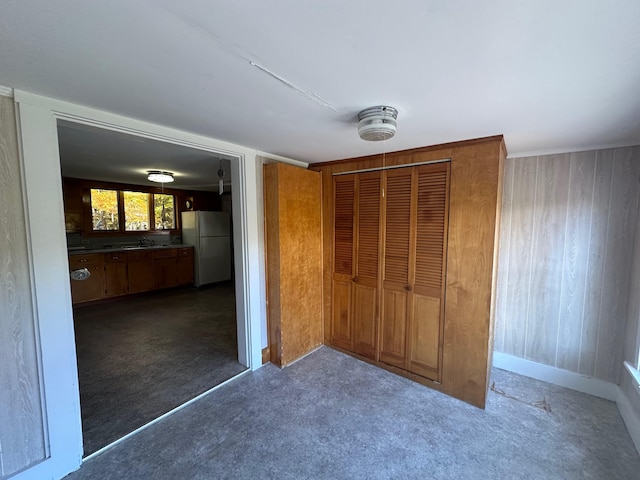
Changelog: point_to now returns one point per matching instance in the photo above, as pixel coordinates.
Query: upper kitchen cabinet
(409, 253)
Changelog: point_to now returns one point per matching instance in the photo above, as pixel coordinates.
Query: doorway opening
(143, 351)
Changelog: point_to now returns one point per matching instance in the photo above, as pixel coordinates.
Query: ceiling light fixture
(159, 176)
(377, 123)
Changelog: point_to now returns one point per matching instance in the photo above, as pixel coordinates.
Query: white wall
(44, 225)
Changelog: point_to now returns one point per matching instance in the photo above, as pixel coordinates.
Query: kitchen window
(104, 209)
(164, 211)
(130, 211)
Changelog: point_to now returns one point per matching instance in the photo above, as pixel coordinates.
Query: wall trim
(557, 376)
(6, 91)
(555, 151)
(630, 418)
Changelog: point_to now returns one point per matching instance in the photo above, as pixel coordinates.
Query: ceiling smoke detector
(377, 123)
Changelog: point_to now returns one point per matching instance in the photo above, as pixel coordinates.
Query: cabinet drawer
(139, 256)
(115, 257)
(185, 252)
(165, 253)
(76, 261)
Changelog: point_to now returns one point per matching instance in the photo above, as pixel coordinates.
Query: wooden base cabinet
(115, 267)
(410, 243)
(185, 266)
(140, 271)
(93, 287)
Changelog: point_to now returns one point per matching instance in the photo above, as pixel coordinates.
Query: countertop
(132, 248)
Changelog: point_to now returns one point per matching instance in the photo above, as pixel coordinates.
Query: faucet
(143, 241)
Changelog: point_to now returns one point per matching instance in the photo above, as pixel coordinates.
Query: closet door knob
(407, 288)
(355, 279)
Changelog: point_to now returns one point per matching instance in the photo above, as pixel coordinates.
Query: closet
(390, 249)
(409, 261)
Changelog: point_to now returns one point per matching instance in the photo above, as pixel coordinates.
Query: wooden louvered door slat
(426, 301)
(343, 254)
(365, 282)
(395, 283)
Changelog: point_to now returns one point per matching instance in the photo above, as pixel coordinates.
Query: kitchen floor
(140, 357)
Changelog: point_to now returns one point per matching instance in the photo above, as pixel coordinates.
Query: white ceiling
(98, 154)
(550, 75)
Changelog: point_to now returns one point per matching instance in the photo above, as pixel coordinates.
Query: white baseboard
(557, 376)
(631, 419)
(574, 381)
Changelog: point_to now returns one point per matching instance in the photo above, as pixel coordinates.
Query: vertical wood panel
(476, 177)
(519, 263)
(294, 217)
(583, 292)
(620, 233)
(596, 261)
(576, 250)
(549, 219)
(503, 263)
(23, 432)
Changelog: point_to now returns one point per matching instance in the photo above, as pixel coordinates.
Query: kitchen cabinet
(165, 267)
(121, 272)
(115, 274)
(140, 273)
(92, 288)
(185, 266)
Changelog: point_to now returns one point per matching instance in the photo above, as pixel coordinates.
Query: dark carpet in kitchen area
(142, 356)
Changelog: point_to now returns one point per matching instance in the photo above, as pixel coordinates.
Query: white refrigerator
(210, 234)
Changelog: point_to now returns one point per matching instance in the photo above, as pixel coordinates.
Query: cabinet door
(365, 286)
(140, 274)
(343, 253)
(166, 272)
(395, 282)
(426, 300)
(185, 269)
(90, 289)
(116, 281)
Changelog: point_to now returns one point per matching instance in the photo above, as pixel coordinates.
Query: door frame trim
(37, 118)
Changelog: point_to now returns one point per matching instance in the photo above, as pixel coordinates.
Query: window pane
(104, 209)
(136, 211)
(164, 211)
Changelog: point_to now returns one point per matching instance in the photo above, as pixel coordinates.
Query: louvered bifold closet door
(365, 282)
(395, 284)
(426, 301)
(343, 266)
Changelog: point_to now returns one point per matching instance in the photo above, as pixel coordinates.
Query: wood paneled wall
(566, 243)
(22, 428)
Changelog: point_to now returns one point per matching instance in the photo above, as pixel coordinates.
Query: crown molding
(6, 91)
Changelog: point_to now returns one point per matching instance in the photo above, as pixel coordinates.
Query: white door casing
(37, 123)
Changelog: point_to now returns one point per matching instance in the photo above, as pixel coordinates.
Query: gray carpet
(141, 357)
(330, 416)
